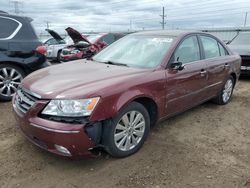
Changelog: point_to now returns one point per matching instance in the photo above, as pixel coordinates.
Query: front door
(186, 88)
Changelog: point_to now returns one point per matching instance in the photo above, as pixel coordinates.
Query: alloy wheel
(228, 90)
(10, 79)
(129, 130)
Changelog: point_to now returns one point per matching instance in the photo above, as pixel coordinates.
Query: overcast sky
(121, 15)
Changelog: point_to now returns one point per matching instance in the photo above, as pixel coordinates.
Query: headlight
(71, 108)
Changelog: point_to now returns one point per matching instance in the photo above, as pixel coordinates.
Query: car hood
(76, 36)
(240, 49)
(78, 79)
(54, 34)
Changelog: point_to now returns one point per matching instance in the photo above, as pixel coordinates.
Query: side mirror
(177, 66)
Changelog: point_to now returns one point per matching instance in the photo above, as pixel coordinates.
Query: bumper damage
(65, 139)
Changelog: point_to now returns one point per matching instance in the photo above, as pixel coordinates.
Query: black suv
(20, 53)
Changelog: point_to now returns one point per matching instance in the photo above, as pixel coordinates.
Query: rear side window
(118, 36)
(8, 27)
(188, 51)
(108, 39)
(223, 52)
(211, 48)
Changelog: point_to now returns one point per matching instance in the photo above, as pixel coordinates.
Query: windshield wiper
(114, 63)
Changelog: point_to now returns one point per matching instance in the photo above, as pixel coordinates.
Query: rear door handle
(226, 65)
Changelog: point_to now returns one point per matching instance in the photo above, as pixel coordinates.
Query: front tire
(10, 78)
(125, 134)
(58, 58)
(226, 94)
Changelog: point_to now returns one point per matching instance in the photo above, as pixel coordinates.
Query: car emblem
(19, 99)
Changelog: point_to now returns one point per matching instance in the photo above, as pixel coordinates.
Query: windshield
(242, 38)
(136, 51)
(93, 38)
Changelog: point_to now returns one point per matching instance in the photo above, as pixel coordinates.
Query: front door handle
(226, 65)
(203, 71)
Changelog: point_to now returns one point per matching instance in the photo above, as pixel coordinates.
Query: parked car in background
(241, 45)
(112, 100)
(85, 46)
(20, 53)
(56, 44)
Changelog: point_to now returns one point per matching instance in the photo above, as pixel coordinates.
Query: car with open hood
(241, 45)
(113, 100)
(87, 45)
(56, 44)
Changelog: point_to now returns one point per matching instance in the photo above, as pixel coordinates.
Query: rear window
(8, 27)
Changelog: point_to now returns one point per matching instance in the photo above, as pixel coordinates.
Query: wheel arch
(110, 106)
(17, 64)
(148, 102)
(234, 77)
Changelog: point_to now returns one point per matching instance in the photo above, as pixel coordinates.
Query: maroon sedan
(114, 100)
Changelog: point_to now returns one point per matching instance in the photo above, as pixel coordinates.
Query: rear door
(186, 88)
(217, 62)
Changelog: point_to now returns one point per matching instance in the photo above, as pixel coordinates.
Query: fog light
(62, 149)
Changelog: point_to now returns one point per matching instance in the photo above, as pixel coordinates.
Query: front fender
(109, 107)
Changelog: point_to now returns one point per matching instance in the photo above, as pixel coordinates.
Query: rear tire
(125, 134)
(226, 93)
(10, 78)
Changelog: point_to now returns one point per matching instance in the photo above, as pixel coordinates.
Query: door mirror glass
(177, 66)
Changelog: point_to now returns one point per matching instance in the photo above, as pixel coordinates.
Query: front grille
(25, 100)
(245, 60)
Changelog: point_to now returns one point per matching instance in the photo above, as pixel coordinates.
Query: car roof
(5, 14)
(173, 33)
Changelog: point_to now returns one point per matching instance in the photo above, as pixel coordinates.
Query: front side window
(51, 41)
(211, 48)
(137, 51)
(188, 51)
(8, 27)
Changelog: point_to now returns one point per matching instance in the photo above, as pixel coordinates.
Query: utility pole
(16, 4)
(163, 16)
(47, 24)
(245, 22)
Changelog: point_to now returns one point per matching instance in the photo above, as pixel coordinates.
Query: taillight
(41, 50)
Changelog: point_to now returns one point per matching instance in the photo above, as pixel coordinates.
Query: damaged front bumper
(61, 138)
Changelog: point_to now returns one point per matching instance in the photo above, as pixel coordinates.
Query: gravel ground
(208, 146)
